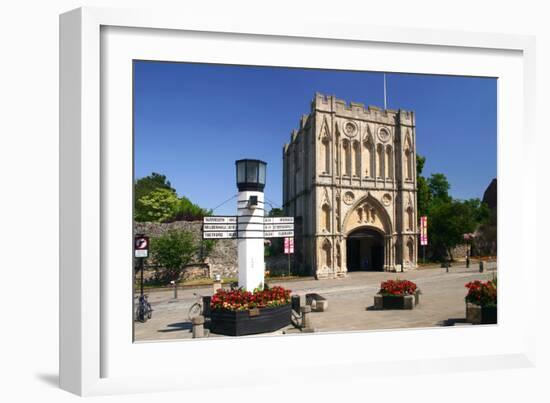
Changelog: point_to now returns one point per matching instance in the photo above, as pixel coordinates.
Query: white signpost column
(250, 223)
(250, 244)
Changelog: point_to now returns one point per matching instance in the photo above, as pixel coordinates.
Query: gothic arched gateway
(349, 179)
(365, 250)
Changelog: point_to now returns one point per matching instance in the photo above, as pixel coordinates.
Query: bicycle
(144, 310)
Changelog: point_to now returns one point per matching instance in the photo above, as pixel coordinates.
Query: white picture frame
(95, 351)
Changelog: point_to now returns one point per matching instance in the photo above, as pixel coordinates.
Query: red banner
(423, 230)
(289, 246)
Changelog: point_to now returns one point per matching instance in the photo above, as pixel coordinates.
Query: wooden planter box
(242, 323)
(481, 315)
(396, 301)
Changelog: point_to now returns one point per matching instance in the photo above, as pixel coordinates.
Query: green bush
(172, 251)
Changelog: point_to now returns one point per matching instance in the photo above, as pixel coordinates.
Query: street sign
(219, 227)
(278, 227)
(141, 246)
(289, 246)
(278, 234)
(423, 230)
(278, 220)
(219, 235)
(220, 220)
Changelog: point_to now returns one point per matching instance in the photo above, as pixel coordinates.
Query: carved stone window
(368, 162)
(389, 162)
(326, 217)
(327, 254)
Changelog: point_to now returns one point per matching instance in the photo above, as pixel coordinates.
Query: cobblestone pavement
(350, 301)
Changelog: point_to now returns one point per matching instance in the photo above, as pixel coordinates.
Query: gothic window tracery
(408, 159)
(380, 161)
(368, 166)
(326, 217)
(347, 157)
(327, 253)
(409, 218)
(389, 162)
(357, 159)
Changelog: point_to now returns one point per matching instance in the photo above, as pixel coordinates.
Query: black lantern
(250, 175)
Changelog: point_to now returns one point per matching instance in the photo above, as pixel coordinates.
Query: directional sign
(279, 227)
(278, 220)
(219, 227)
(278, 234)
(219, 235)
(141, 246)
(220, 220)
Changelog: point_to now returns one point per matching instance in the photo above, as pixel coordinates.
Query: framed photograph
(321, 194)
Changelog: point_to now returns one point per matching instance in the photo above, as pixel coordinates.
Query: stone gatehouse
(349, 179)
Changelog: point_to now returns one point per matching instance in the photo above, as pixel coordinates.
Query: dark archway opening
(365, 250)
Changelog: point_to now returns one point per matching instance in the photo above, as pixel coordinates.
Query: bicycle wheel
(149, 311)
(195, 310)
(139, 313)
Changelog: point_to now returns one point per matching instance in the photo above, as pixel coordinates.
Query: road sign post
(424, 235)
(289, 250)
(141, 251)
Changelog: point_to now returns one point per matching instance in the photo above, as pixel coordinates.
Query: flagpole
(385, 93)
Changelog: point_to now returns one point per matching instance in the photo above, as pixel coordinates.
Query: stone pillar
(198, 327)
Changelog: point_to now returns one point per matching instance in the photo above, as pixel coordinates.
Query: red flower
(243, 300)
(397, 287)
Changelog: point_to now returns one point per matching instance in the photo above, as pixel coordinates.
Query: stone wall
(222, 259)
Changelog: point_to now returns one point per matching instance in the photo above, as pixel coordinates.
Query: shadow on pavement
(453, 322)
(177, 327)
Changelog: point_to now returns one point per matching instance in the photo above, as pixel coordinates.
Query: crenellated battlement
(355, 110)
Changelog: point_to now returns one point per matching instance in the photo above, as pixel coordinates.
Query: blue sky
(192, 121)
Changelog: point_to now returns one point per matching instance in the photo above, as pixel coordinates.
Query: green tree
(275, 245)
(276, 212)
(188, 211)
(439, 187)
(158, 205)
(147, 184)
(449, 220)
(172, 251)
(423, 191)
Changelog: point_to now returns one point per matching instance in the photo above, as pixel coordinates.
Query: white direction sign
(219, 235)
(278, 234)
(278, 227)
(219, 227)
(279, 220)
(220, 220)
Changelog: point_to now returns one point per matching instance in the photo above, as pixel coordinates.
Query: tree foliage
(276, 212)
(158, 205)
(147, 184)
(156, 200)
(172, 251)
(423, 191)
(188, 211)
(448, 219)
(439, 186)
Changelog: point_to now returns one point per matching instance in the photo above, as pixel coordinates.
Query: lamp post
(250, 210)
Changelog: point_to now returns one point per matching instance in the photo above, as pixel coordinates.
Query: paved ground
(350, 301)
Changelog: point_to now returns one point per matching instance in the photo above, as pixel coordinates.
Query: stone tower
(349, 179)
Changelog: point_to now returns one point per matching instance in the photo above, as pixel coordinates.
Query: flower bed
(481, 302)
(397, 294)
(239, 313)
